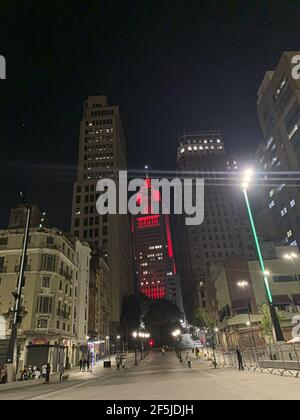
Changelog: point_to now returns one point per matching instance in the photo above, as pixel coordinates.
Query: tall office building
(153, 250)
(278, 107)
(225, 230)
(102, 153)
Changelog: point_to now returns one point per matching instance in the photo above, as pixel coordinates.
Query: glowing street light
(278, 335)
(176, 333)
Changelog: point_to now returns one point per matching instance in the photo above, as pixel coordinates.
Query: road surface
(164, 378)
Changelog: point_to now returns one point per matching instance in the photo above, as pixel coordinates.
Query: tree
(161, 312)
(161, 319)
(131, 312)
(205, 319)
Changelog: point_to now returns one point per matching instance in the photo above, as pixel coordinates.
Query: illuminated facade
(278, 108)
(225, 230)
(102, 153)
(153, 247)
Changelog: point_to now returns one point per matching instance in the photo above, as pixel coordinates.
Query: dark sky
(170, 65)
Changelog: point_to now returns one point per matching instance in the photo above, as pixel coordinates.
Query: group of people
(120, 362)
(196, 351)
(28, 373)
(84, 365)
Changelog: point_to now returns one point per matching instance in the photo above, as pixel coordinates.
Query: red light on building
(151, 343)
(153, 248)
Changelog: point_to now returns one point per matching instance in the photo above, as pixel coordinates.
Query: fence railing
(280, 357)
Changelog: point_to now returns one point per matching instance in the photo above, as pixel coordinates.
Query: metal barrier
(279, 359)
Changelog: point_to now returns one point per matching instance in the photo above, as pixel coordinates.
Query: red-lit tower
(153, 248)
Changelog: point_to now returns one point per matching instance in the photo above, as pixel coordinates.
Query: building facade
(99, 307)
(54, 298)
(278, 157)
(225, 230)
(153, 248)
(238, 306)
(102, 153)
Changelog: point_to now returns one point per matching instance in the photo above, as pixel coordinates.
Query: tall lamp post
(12, 346)
(177, 335)
(277, 332)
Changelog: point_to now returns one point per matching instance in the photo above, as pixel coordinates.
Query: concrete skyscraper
(102, 153)
(278, 107)
(153, 250)
(225, 229)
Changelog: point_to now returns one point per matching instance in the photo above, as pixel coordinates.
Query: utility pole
(12, 346)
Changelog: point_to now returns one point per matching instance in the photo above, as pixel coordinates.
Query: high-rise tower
(102, 153)
(153, 248)
(225, 230)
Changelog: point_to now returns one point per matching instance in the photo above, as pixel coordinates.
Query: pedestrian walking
(80, 365)
(240, 359)
(188, 359)
(84, 365)
(44, 372)
(163, 351)
(118, 361)
(48, 369)
(88, 364)
(61, 372)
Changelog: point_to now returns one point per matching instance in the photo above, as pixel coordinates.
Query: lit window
(272, 204)
(283, 211)
(292, 203)
(294, 243)
(295, 128)
(270, 141)
(271, 193)
(289, 233)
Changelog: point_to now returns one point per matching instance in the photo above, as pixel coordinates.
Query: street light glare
(248, 174)
(176, 333)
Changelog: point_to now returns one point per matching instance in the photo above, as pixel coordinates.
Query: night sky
(170, 65)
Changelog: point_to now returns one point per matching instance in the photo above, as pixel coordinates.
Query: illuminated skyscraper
(153, 247)
(102, 153)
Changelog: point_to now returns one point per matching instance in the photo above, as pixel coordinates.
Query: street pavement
(164, 378)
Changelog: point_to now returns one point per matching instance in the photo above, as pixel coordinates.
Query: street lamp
(12, 346)
(177, 334)
(277, 332)
(291, 257)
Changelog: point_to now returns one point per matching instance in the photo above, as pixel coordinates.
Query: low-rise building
(55, 296)
(241, 295)
(100, 307)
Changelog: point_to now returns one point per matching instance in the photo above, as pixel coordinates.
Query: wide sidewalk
(75, 375)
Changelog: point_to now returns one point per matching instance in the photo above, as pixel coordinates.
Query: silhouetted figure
(240, 359)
